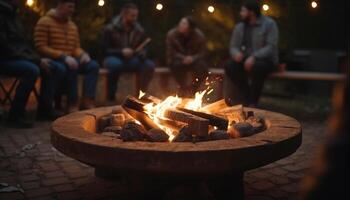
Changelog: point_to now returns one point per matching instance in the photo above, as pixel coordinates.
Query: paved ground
(44, 173)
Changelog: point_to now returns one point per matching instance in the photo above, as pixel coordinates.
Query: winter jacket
(178, 47)
(13, 44)
(55, 38)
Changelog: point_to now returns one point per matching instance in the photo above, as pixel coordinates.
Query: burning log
(234, 113)
(174, 125)
(175, 119)
(134, 104)
(143, 118)
(196, 125)
(214, 107)
(150, 99)
(219, 122)
(135, 108)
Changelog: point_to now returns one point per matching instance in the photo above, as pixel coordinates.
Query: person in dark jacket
(254, 52)
(186, 50)
(124, 40)
(17, 59)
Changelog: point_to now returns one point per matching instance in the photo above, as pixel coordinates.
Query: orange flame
(156, 111)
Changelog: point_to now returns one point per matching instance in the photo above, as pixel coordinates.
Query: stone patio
(29, 161)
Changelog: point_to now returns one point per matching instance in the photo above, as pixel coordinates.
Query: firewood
(157, 135)
(241, 130)
(103, 122)
(133, 126)
(219, 122)
(128, 135)
(197, 138)
(214, 107)
(147, 98)
(143, 118)
(134, 107)
(257, 123)
(117, 120)
(133, 132)
(234, 113)
(117, 110)
(174, 125)
(142, 45)
(184, 135)
(196, 125)
(134, 104)
(219, 135)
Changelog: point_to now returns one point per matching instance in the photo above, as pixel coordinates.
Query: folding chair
(8, 93)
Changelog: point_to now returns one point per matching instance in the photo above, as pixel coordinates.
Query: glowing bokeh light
(266, 7)
(30, 3)
(314, 4)
(211, 9)
(101, 3)
(159, 6)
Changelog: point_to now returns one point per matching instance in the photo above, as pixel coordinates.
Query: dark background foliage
(300, 26)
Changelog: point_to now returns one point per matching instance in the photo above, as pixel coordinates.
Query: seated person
(57, 38)
(17, 59)
(185, 50)
(254, 51)
(123, 39)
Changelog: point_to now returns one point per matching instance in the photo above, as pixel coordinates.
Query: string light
(211, 9)
(30, 3)
(101, 3)
(266, 7)
(159, 6)
(314, 4)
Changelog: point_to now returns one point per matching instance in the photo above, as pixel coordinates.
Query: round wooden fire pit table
(219, 164)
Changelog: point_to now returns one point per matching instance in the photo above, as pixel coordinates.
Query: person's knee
(134, 63)
(93, 67)
(113, 64)
(32, 70)
(149, 66)
(58, 69)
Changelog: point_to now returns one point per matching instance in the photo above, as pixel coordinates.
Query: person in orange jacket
(56, 37)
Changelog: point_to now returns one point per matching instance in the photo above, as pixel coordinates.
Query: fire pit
(216, 165)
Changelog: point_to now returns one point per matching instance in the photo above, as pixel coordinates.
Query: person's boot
(87, 103)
